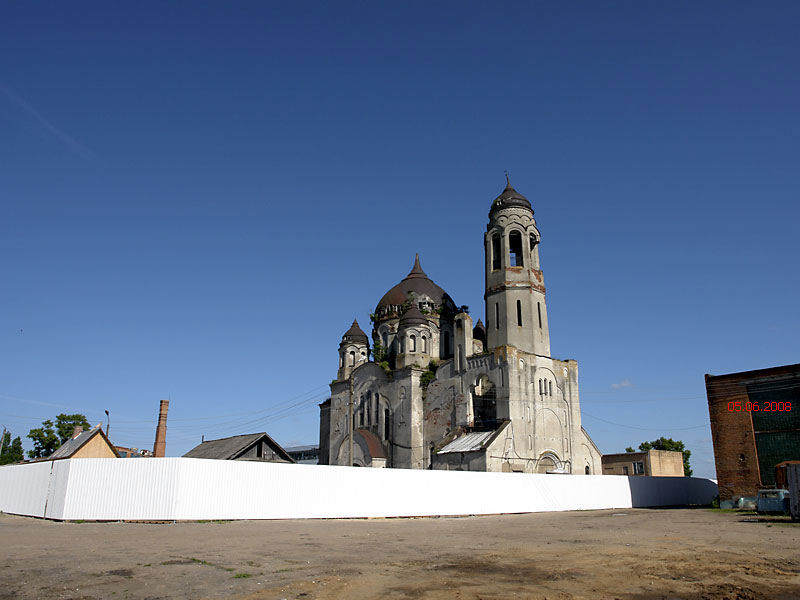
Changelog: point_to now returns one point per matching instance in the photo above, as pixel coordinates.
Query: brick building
(755, 424)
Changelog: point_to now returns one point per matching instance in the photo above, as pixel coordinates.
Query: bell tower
(516, 313)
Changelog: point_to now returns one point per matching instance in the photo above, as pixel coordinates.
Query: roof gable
(231, 448)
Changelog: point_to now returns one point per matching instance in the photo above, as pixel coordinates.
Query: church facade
(436, 391)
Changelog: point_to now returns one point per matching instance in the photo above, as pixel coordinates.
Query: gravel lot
(638, 553)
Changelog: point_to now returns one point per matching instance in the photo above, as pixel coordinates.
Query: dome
(510, 197)
(355, 334)
(413, 316)
(418, 283)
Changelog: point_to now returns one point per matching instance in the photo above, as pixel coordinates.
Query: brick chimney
(77, 431)
(159, 448)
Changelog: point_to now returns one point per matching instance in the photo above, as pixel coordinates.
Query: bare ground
(626, 554)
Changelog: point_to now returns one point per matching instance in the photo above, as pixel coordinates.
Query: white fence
(194, 489)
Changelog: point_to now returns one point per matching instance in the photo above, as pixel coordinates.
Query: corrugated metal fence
(194, 489)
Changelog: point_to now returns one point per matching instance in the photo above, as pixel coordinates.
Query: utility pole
(350, 420)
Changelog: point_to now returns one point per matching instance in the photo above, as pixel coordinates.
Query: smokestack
(159, 448)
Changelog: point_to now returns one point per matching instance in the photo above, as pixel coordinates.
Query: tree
(11, 451)
(45, 441)
(663, 443)
(47, 438)
(66, 424)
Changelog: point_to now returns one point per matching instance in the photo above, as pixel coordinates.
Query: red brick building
(755, 424)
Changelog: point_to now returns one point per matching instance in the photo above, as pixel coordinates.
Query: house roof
(72, 445)
(231, 447)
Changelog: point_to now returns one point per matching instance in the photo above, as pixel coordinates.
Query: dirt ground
(640, 553)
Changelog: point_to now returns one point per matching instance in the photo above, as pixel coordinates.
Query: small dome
(479, 331)
(355, 334)
(510, 197)
(416, 282)
(413, 316)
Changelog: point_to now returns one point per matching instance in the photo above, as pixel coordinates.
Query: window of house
(519, 313)
(413, 342)
(377, 408)
(496, 252)
(352, 358)
(515, 248)
(540, 387)
(587, 470)
(424, 344)
(386, 424)
(638, 468)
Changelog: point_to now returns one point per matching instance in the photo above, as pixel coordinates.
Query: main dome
(416, 282)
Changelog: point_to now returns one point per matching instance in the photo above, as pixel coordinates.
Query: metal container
(773, 501)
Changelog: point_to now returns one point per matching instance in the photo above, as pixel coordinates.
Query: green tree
(11, 451)
(45, 441)
(66, 424)
(663, 443)
(47, 438)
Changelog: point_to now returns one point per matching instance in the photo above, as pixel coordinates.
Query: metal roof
(302, 448)
(470, 442)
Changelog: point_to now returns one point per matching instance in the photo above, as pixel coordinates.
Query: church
(434, 390)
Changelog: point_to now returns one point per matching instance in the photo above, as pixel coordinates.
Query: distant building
(253, 446)
(133, 452)
(755, 425)
(86, 444)
(655, 463)
(306, 455)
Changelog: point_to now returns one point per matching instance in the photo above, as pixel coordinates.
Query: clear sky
(196, 199)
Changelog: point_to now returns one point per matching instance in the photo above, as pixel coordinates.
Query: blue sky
(197, 199)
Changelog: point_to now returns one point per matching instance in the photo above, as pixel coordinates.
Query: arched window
(413, 342)
(368, 406)
(550, 385)
(519, 313)
(515, 249)
(539, 310)
(352, 358)
(540, 387)
(377, 408)
(385, 343)
(496, 252)
(424, 344)
(587, 470)
(386, 428)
